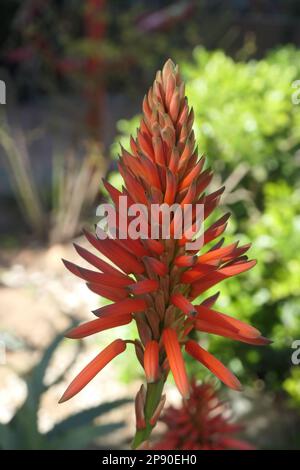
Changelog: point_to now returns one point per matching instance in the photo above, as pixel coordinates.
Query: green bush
(268, 296)
(244, 111)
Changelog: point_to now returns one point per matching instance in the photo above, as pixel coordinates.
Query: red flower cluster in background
(200, 424)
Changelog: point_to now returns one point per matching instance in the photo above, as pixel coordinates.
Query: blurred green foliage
(244, 112)
(245, 120)
(292, 386)
(77, 431)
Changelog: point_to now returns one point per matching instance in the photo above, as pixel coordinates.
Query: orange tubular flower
(154, 280)
(98, 363)
(200, 424)
(151, 361)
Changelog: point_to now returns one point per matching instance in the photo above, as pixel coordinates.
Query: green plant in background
(75, 432)
(271, 293)
(292, 386)
(244, 111)
(245, 119)
(24, 185)
(57, 217)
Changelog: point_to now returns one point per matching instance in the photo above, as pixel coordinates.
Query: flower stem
(153, 396)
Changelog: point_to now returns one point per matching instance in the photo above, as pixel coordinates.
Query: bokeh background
(75, 75)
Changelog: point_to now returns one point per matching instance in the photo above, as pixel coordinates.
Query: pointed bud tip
(266, 341)
(69, 335)
(168, 68)
(169, 62)
(236, 385)
(186, 395)
(62, 399)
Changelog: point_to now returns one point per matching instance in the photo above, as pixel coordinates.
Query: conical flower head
(155, 275)
(201, 423)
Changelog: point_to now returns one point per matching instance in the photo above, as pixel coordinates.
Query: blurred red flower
(200, 424)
